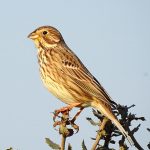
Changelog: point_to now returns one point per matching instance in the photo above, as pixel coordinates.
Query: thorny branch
(111, 131)
(105, 135)
(100, 133)
(107, 131)
(63, 128)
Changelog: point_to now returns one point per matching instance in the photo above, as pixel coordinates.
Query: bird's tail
(107, 112)
(122, 130)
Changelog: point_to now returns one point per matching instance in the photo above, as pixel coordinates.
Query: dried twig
(63, 129)
(106, 129)
(63, 140)
(100, 133)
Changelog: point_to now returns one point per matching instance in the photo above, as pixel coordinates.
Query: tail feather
(107, 112)
(122, 130)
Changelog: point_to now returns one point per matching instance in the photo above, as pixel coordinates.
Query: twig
(63, 129)
(100, 133)
(136, 144)
(63, 141)
(122, 148)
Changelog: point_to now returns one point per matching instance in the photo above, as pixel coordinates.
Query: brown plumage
(65, 76)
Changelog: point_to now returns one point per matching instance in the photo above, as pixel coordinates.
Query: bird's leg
(77, 114)
(63, 109)
(76, 127)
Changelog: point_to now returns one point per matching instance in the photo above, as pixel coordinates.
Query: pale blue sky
(112, 38)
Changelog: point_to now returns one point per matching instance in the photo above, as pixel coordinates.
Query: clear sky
(112, 38)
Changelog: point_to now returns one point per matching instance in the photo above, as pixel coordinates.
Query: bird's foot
(65, 120)
(74, 126)
(65, 117)
(64, 109)
(61, 110)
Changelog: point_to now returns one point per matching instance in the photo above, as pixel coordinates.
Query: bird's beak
(33, 36)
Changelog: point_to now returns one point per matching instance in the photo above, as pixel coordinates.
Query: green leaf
(148, 146)
(69, 147)
(10, 148)
(52, 144)
(148, 129)
(97, 114)
(112, 142)
(93, 138)
(92, 122)
(83, 146)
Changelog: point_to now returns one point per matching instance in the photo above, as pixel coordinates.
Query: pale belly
(58, 91)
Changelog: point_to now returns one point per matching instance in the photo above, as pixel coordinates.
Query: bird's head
(46, 36)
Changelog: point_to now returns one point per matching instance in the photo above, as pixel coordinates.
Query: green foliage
(149, 142)
(106, 135)
(107, 132)
(148, 145)
(52, 144)
(10, 148)
(69, 147)
(92, 121)
(111, 131)
(83, 146)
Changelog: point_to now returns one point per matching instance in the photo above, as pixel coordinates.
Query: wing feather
(74, 68)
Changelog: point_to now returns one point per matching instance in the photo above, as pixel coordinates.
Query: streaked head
(46, 36)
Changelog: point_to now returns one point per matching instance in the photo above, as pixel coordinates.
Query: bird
(67, 78)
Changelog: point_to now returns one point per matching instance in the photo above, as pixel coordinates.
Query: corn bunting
(66, 77)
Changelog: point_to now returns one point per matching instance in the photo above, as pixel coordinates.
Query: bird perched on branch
(66, 77)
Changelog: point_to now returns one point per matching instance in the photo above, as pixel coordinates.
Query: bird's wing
(74, 68)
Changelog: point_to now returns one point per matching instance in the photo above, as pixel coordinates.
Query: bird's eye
(44, 32)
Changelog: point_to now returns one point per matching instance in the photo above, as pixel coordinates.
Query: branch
(100, 133)
(63, 140)
(107, 130)
(111, 131)
(63, 129)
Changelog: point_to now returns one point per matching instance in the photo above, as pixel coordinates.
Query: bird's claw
(74, 126)
(64, 110)
(68, 122)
